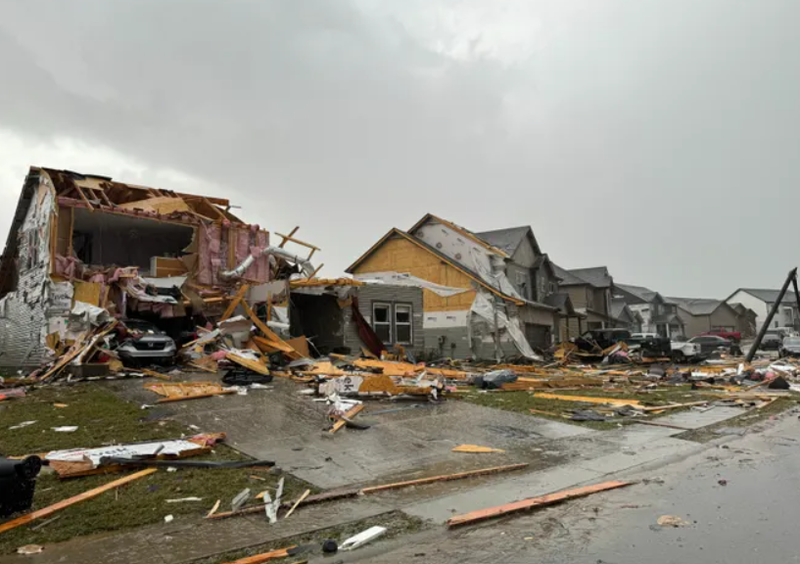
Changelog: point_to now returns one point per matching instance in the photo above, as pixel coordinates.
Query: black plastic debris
(778, 383)
(330, 547)
(494, 379)
(587, 415)
(17, 484)
(241, 376)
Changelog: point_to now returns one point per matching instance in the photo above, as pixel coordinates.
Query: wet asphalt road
(741, 502)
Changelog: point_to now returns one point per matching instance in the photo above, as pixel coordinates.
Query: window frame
(389, 317)
(410, 323)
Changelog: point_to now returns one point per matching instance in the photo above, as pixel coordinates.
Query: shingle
(505, 239)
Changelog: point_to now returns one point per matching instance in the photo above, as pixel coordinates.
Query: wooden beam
(296, 503)
(313, 274)
(285, 240)
(298, 241)
(444, 478)
(550, 499)
(269, 333)
(84, 198)
(264, 557)
(352, 412)
(47, 511)
(234, 302)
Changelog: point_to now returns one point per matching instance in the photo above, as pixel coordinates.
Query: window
(522, 284)
(402, 324)
(382, 321)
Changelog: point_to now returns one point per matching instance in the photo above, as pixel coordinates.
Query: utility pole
(792, 277)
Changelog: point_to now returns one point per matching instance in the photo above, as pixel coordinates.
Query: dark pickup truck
(604, 338)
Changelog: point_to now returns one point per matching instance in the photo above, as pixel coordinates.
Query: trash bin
(17, 484)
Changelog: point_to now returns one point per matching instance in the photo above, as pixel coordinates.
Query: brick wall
(23, 323)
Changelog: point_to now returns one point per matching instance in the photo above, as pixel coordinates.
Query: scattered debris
(671, 521)
(30, 549)
(168, 518)
(47, 511)
(722, 482)
(296, 503)
(184, 499)
(21, 425)
(66, 429)
(213, 509)
(240, 499)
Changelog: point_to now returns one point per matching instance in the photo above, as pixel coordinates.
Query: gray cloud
(658, 138)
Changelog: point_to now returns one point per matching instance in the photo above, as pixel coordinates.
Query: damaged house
(590, 290)
(658, 314)
(479, 298)
(83, 247)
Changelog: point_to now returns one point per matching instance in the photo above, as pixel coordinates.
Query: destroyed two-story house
(84, 246)
(590, 290)
(484, 294)
(659, 315)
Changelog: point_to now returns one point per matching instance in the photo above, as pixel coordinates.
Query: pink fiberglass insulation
(208, 260)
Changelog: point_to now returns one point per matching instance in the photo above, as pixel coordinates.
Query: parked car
(711, 343)
(734, 336)
(144, 343)
(651, 344)
(790, 347)
(683, 351)
(772, 341)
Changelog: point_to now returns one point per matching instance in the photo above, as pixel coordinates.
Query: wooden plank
(673, 406)
(476, 449)
(264, 557)
(285, 240)
(234, 302)
(300, 344)
(47, 511)
(589, 399)
(500, 510)
(84, 198)
(163, 267)
(253, 365)
(298, 241)
(350, 414)
(316, 270)
(171, 399)
(269, 333)
(658, 424)
(296, 503)
(444, 478)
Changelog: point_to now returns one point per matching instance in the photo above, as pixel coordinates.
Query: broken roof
(596, 276)
(394, 232)
(462, 230)
(696, 306)
(644, 294)
(509, 239)
(769, 296)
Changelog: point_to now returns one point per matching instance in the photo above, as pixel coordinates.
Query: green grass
(524, 401)
(104, 418)
(396, 523)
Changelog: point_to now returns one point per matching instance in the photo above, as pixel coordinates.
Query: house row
(82, 242)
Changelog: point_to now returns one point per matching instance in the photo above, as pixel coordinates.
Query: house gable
(397, 253)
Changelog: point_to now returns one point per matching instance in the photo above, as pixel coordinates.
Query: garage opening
(103, 239)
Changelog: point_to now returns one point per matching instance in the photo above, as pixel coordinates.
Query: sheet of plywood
(162, 205)
(164, 267)
(401, 255)
(87, 292)
(253, 365)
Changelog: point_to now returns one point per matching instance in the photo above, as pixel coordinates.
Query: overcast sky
(659, 138)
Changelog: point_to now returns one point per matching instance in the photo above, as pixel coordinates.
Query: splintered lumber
(673, 406)
(47, 511)
(179, 391)
(342, 494)
(476, 449)
(272, 337)
(152, 373)
(444, 478)
(253, 365)
(549, 499)
(352, 412)
(590, 399)
(296, 503)
(264, 557)
(234, 302)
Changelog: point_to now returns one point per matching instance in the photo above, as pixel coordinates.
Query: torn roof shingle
(506, 239)
(596, 276)
(645, 294)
